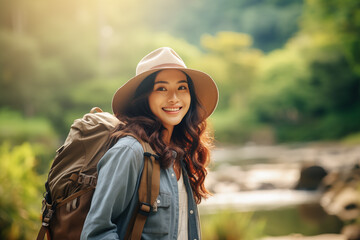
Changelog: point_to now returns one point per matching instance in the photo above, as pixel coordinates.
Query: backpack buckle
(87, 180)
(145, 209)
(149, 155)
(47, 215)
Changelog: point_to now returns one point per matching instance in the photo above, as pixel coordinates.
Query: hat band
(169, 65)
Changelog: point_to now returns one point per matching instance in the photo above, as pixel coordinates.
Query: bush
(17, 129)
(20, 194)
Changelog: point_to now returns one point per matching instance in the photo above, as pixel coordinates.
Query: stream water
(252, 177)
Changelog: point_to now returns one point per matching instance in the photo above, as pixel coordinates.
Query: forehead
(170, 75)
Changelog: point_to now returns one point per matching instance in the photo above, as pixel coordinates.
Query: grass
(352, 139)
(307, 220)
(228, 225)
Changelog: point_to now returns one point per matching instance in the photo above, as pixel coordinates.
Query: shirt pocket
(157, 223)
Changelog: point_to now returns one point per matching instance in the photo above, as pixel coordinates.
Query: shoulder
(127, 150)
(130, 143)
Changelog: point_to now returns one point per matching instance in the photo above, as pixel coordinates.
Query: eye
(160, 89)
(183, 88)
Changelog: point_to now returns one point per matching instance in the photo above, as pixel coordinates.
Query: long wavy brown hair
(190, 138)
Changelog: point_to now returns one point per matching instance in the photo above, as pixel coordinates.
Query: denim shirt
(116, 197)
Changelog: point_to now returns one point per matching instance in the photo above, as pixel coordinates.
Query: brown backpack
(72, 179)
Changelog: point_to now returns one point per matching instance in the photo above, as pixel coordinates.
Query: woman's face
(170, 98)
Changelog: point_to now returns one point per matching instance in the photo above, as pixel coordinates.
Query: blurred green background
(287, 71)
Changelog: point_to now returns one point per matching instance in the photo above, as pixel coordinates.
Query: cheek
(187, 100)
(155, 101)
(152, 101)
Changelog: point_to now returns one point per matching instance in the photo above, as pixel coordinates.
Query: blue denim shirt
(116, 196)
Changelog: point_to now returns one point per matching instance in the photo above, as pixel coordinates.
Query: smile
(172, 109)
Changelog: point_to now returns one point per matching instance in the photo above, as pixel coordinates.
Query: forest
(287, 71)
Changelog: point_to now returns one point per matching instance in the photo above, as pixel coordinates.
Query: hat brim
(206, 91)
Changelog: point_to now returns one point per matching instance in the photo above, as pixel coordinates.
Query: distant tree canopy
(270, 23)
(311, 88)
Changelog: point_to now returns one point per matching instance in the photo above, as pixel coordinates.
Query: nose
(173, 97)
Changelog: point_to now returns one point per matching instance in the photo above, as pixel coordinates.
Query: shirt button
(158, 201)
(173, 175)
(191, 211)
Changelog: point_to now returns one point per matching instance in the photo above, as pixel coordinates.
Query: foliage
(309, 90)
(270, 23)
(234, 50)
(16, 129)
(20, 196)
(351, 139)
(340, 19)
(307, 220)
(229, 225)
(232, 61)
(59, 68)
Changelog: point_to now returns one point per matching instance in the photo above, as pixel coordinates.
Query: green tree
(270, 23)
(311, 89)
(233, 62)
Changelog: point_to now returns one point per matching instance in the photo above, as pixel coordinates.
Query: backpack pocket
(70, 215)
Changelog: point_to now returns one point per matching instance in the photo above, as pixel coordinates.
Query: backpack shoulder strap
(148, 192)
(147, 147)
(151, 187)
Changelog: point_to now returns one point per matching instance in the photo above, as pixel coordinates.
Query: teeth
(171, 109)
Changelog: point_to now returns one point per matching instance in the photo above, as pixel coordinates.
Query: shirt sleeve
(118, 171)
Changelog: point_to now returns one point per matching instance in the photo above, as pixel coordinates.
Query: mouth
(172, 109)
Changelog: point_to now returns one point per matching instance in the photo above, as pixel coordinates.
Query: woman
(166, 105)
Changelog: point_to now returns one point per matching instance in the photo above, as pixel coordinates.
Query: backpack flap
(83, 148)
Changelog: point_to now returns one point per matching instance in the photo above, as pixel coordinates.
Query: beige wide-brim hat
(166, 58)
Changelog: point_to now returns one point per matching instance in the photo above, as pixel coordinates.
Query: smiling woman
(166, 105)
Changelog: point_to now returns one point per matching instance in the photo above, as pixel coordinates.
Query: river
(253, 177)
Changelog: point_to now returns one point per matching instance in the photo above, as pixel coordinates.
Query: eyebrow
(181, 81)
